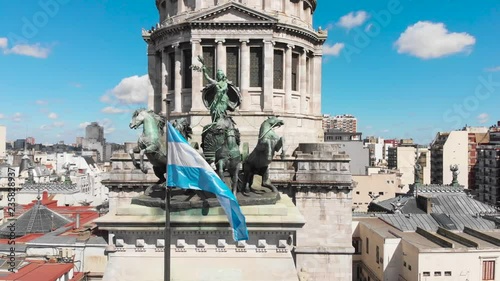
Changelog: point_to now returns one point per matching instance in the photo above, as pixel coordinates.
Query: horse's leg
(281, 145)
(266, 182)
(132, 153)
(160, 173)
(141, 154)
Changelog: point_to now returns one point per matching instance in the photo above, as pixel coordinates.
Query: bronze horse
(257, 163)
(228, 157)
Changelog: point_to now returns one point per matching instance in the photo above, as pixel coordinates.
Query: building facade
(403, 159)
(268, 50)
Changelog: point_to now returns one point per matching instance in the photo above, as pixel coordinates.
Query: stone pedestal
(202, 247)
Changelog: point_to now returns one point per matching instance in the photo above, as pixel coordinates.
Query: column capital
(267, 41)
(220, 40)
(195, 41)
(175, 45)
(290, 46)
(246, 41)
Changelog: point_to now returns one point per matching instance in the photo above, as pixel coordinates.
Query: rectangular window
(256, 67)
(356, 243)
(437, 273)
(427, 273)
(295, 70)
(171, 70)
(488, 270)
(367, 245)
(447, 273)
(377, 254)
(187, 72)
(209, 59)
(278, 69)
(233, 66)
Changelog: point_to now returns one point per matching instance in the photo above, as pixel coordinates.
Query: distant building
(488, 168)
(351, 144)
(19, 144)
(374, 187)
(435, 232)
(79, 141)
(403, 158)
(345, 123)
(376, 147)
(3, 141)
(30, 140)
(94, 132)
(94, 141)
(457, 148)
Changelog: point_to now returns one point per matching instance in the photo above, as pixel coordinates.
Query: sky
(404, 68)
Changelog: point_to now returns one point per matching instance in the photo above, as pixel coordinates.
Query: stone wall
(319, 180)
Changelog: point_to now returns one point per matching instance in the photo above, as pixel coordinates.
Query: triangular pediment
(232, 13)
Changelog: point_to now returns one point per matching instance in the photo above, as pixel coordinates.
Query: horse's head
(182, 125)
(274, 121)
(137, 118)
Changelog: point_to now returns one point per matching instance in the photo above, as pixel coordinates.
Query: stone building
(268, 49)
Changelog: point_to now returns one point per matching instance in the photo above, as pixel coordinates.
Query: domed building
(268, 49)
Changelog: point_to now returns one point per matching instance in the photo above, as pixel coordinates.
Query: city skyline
(65, 74)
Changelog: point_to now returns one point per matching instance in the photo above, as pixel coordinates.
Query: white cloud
(493, 69)
(45, 127)
(42, 102)
(4, 42)
(113, 110)
(131, 90)
(353, 19)
(385, 131)
(428, 40)
(18, 117)
(53, 115)
(83, 125)
(483, 118)
(333, 50)
(34, 50)
(58, 124)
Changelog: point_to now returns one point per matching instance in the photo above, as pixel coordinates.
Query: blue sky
(403, 68)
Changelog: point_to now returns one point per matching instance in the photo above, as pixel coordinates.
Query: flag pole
(167, 232)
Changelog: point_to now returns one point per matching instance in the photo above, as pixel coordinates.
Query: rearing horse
(151, 143)
(228, 157)
(257, 163)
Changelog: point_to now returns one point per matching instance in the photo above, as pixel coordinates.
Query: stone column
(288, 79)
(178, 80)
(303, 81)
(316, 80)
(245, 74)
(164, 85)
(221, 55)
(153, 78)
(268, 76)
(197, 77)
(180, 6)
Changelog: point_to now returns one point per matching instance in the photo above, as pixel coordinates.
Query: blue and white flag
(188, 170)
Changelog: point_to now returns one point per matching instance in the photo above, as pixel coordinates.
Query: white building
(403, 158)
(450, 149)
(268, 49)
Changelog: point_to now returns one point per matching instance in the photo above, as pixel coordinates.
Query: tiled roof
(39, 219)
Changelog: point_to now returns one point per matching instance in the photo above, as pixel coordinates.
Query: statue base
(202, 247)
(182, 199)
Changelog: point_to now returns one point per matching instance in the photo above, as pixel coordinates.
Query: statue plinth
(202, 246)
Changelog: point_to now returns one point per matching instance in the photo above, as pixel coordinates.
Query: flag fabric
(187, 169)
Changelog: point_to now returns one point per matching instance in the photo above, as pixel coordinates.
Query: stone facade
(268, 49)
(320, 182)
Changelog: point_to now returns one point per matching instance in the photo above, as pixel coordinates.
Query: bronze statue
(151, 143)
(228, 157)
(257, 163)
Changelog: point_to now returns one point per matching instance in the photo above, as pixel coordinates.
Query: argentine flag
(188, 170)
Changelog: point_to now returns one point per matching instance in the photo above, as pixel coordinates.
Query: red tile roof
(42, 271)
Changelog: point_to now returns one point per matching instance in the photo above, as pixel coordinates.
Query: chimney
(45, 195)
(77, 224)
